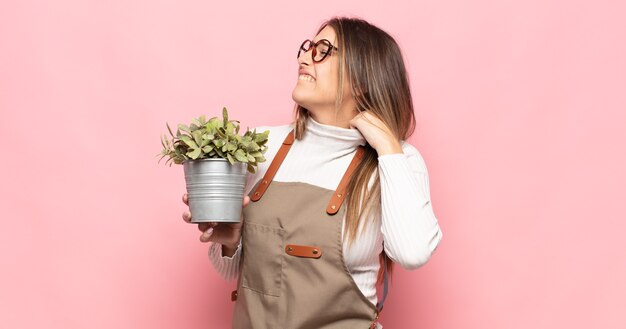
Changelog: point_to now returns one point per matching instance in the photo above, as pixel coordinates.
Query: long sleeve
(227, 267)
(409, 226)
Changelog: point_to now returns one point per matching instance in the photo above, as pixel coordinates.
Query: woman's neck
(340, 119)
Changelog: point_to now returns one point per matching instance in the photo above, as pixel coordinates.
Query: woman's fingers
(246, 200)
(185, 199)
(206, 236)
(223, 233)
(205, 226)
(187, 217)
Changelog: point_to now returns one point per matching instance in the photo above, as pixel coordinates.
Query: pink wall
(521, 108)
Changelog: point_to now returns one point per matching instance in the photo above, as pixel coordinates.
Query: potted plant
(215, 159)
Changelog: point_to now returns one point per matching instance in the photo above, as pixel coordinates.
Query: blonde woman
(341, 197)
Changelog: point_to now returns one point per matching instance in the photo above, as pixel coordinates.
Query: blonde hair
(372, 60)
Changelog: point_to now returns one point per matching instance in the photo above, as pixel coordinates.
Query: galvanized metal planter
(215, 189)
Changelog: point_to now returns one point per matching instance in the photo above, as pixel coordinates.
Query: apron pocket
(262, 258)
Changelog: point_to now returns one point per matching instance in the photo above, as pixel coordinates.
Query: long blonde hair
(372, 60)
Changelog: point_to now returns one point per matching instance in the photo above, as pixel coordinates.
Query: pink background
(521, 110)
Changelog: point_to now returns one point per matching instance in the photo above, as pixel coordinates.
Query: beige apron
(292, 273)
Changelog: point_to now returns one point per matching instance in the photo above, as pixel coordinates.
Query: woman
(340, 192)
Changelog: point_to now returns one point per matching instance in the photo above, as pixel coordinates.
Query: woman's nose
(306, 57)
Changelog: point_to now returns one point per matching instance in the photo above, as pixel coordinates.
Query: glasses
(321, 49)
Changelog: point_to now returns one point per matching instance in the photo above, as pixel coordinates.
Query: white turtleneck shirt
(405, 222)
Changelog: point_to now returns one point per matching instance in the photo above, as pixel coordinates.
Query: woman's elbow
(416, 260)
(421, 254)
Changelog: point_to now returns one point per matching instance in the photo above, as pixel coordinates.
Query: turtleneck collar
(333, 136)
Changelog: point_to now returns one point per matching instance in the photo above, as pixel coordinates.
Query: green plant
(216, 138)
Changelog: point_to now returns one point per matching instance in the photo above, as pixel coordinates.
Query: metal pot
(215, 189)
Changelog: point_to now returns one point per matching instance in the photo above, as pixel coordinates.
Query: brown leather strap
(340, 193)
(233, 295)
(303, 251)
(271, 171)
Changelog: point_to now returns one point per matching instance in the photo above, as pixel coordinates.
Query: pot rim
(207, 159)
(215, 159)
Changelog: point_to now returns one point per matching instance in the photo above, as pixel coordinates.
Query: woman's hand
(377, 133)
(226, 234)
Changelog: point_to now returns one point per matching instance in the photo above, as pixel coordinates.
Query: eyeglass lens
(320, 51)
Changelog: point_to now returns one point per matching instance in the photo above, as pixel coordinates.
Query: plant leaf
(240, 155)
(187, 140)
(219, 142)
(229, 128)
(194, 154)
(231, 147)
(197, 136)
(216, 123)
(183, 127)
(261, 137)
(196, 122)
(230, 159)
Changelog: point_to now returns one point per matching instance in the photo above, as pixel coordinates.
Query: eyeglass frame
(313, 45)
